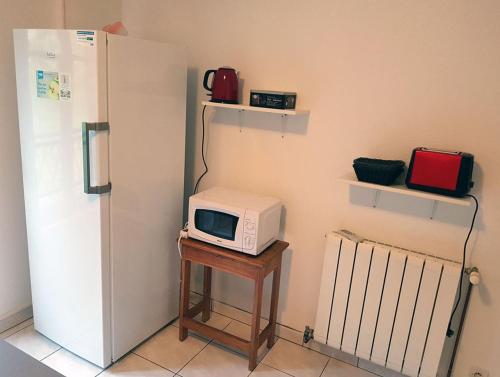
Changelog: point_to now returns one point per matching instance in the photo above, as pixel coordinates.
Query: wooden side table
(255, 268)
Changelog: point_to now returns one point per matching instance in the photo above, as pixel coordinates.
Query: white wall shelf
(403, 190)
(253, 108)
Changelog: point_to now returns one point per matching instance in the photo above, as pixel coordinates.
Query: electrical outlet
(478, 372)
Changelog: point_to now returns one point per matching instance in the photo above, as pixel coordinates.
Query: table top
(261, 260)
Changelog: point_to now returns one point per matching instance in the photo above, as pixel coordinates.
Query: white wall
(379, 78)
(90, 14)
(14, 275)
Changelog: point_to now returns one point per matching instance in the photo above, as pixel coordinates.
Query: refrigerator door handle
(86, 128)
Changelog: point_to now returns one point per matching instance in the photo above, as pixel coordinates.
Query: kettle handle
(205, 79)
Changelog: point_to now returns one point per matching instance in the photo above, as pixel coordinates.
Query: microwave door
(217, 224)
(222, 227)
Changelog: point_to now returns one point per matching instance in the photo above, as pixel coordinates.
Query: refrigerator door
(147, 113)
(61, 82)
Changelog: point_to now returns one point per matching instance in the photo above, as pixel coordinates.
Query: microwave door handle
(86, 128)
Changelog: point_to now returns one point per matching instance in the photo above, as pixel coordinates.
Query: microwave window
(217, 224)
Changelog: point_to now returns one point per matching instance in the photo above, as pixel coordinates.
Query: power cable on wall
(450, 332)
(202, 151)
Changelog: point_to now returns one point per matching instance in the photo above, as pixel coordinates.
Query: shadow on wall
(419, 207)
(286, 266)
(415, 207)
(281, 233)
(191, 114)
(291, 124)
(245, 288)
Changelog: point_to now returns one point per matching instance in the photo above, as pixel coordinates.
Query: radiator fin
(440, 319)
(330, 262)
(421, 322)
(406, 308)
(357, 297)
(341, 292)
(372, 303)
(390, 297)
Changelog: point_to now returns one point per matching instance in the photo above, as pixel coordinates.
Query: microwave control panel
(249, 229)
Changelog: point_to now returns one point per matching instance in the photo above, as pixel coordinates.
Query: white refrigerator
(102, 128)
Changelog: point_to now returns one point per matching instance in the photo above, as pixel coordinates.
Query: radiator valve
(308, 334)
(474, 276)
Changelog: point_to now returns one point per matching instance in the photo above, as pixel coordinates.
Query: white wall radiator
(386, 305)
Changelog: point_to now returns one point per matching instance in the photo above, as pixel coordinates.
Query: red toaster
(441, 172)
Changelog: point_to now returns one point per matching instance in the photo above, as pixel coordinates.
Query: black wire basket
(381, 172)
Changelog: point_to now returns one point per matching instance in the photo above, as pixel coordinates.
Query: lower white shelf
(403, 190)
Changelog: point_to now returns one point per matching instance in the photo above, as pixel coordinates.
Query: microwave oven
(236, 220)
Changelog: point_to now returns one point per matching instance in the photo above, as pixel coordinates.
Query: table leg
(257, 305)
(274, 304)
(207, 293)
(184, 304)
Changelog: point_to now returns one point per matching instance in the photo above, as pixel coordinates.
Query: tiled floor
(163, 355)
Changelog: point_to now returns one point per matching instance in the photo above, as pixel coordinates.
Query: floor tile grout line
(119, 360)
(300, 345)
(151, 361)
(212, 311)
(234, 307)
(329, 357)
(324, 368)
(279, 370)
(287, 327)
(249, 324)
(310, 349)
(240, 310)
(19, 324)
(244, 323)
(248, 313)
(208, 341)
(279, 324)
(228, 348)
(235, 319)
(31, 324)
(50, 354)
(206, 345)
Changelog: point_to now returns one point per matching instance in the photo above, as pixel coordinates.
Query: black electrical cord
(202, 151)
(450, 332)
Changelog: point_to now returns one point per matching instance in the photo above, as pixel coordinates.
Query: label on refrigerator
(85, 37)
(53, 85)
(64, 87)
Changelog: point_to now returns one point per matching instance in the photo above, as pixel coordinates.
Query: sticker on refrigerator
(85, 37)
(53, 85)
(64, 87)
